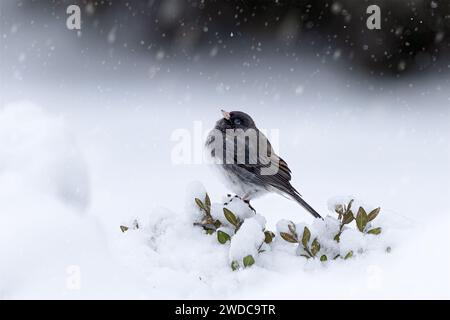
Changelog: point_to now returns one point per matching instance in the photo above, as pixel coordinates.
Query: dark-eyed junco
(247, 161)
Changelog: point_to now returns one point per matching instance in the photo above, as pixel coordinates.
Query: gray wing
(263, 165)
(253, 169)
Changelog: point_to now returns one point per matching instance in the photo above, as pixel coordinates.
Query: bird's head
(235, 120)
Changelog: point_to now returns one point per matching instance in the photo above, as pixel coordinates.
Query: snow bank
(52, 250)
(173, 258)
(48, 247)
(38, 154)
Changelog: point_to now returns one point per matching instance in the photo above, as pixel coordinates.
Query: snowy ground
(83, 152)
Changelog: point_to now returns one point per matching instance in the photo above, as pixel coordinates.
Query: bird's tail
(296, 196)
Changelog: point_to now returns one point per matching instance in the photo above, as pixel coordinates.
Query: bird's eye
(237, 121)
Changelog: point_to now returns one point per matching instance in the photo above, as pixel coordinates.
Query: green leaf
(373, 214)
(217, 224)
(231, 217)
(208, 204)
(349, 206)
(348, 255)
(304, 255)
(374, 231)
(323, 258)
(200, 204)
(248, 261)
(315, 247)
(361, 219)
(288, 237)
(123, 228)
(306, 237)
(223, 237)
(348, 217)
(337, 237)
(268, 236)
(234, 265)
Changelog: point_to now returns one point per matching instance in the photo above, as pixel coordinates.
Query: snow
(204, 268)
(247, 240)
(238, 207)
(50, 247)
(167, 257)
(194, 189)
(57, 167)
(283, 226)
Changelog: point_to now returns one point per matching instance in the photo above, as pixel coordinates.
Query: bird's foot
(249, 205)
(247, 201)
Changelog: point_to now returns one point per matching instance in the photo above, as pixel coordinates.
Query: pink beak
(226, 115)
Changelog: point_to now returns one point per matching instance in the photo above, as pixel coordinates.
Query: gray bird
(247, 161)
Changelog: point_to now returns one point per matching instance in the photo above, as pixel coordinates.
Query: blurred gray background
(359, 112)
(413, 39)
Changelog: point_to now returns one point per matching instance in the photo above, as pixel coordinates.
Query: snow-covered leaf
(292, 227)
(234, 265)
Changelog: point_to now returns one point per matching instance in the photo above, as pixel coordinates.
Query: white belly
(232, 181)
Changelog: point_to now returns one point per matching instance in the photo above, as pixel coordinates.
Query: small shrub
(309, 246)
(226, 234)
(314, 249)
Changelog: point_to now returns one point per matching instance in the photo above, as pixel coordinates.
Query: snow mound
(38, 153)
(50, 250)
(247, 240)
